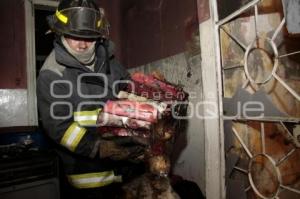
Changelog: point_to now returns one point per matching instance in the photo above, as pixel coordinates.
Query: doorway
(43, 40)
(38, 45)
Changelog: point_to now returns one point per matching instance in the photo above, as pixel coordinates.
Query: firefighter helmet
(79, 18)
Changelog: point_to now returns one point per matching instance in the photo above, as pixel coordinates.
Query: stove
(27, 171)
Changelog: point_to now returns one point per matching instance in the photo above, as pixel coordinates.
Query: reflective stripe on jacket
(87, 118)
(93, 180)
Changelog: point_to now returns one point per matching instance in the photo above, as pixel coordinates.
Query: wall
(185, 69)
(113, 10)
(13, 79)
(12, 49)
(156, 29)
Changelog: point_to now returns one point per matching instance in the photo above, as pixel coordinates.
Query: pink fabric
(166, 88)
(154, 93)
(107, 119)
(132, 109)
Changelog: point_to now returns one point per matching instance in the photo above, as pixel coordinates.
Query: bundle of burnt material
(149, 107)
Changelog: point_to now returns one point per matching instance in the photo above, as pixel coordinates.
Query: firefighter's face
(79, 44)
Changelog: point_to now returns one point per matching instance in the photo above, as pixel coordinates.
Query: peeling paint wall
(185, 69)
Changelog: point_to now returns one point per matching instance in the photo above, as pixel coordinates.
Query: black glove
(122, 148)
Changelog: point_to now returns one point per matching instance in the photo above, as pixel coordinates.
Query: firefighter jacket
(70, 97)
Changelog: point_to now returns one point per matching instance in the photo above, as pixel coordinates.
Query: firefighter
(76, 80)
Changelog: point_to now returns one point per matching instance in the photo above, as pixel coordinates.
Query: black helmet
(79, 18)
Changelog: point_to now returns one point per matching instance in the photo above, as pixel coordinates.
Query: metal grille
(276, 57)
(256, 79)
(275, 163)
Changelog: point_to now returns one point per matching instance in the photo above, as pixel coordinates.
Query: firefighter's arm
(71, 129)
(57, 117)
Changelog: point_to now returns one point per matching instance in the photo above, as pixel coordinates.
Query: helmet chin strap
(86, 57)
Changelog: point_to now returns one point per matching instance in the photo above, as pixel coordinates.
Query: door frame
(29, 6)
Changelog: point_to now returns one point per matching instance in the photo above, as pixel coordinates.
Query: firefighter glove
(122, 148)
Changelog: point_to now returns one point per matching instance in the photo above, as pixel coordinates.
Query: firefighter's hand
(123, 148)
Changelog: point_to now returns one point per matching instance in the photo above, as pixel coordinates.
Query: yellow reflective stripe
(93, 180)
(87, 123)
(61, 17)
(72, 136)
(86, 117)
(99, 23)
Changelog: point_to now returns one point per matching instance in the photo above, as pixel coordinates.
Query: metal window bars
(274, 163)
(253, 45)
(276, 58)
